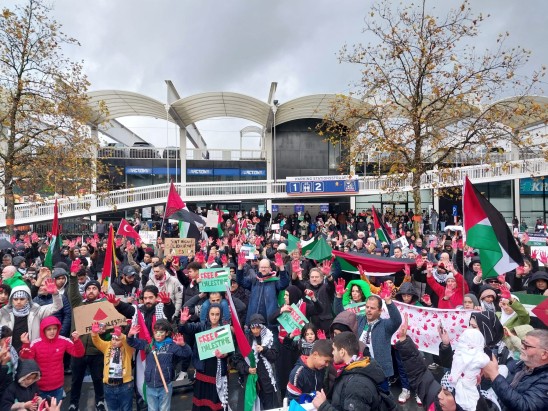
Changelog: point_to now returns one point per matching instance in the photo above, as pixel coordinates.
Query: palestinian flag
(176, 208)
(374, 265)
(487, 231)
(109, 268)
(55, 238)
(380, 229)
(251, 399)
(219, 223)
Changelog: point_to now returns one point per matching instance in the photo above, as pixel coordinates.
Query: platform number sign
(321, 185)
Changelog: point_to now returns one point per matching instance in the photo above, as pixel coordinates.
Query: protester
(22, 393)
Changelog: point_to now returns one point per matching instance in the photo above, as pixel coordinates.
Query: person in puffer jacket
(48, 352)
(23, 390)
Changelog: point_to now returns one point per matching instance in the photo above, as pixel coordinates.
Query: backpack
(386, 401)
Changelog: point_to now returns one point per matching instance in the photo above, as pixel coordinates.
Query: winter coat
(16, 395)
(49, 354)
(304, 380)
(356, 388)
(119, 288)
(127, 355)
(458, 296)
(325, 293)
(262, 293)
(530, 392)
(521, 318)
(165, 356)
(532, 285)
(149, 315)
(64, 315)
(408, 288)
(36, 315)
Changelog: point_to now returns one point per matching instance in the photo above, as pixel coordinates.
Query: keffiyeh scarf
(267, 339)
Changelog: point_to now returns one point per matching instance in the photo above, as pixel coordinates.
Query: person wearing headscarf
(470, 302)
(512, 313)
(488, 298)
(265, 348)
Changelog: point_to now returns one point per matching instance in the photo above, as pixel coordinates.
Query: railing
(240, 190)
(150, 153)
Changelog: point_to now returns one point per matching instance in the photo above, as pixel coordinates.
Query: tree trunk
(10, 208)
(416, 183)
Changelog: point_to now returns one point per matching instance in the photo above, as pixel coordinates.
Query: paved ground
(182, 398)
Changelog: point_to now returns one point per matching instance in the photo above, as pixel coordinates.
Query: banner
(423, 325)
(212, 218)
(209, 341)
(292, 320)
(179, 246)
(214, 279)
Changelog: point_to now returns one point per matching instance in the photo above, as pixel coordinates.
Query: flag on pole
(380, 229)
(126, 230)
(487, 231)
(109, 267)
(141, 357)
(54, 242)
(219, 222)
(176, 209)
(251, 399)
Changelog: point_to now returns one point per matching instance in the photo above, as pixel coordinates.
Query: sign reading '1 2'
(322, 185)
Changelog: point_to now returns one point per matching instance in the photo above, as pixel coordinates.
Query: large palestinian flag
(374, 265)
(487, 231)
(380, 229)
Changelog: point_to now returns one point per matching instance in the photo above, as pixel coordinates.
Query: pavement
(182, 397)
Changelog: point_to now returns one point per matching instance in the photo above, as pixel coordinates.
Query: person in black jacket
(24, 388)
(357, 379)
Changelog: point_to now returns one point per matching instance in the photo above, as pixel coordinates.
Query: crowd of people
(342, 359)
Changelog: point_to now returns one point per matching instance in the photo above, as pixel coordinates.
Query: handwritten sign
(179, 246)
(292, 320)
(214, 279)
(148, 237)
(103, 312)
(219, 338)
(356, 308)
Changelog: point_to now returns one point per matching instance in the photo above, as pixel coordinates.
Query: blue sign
(533, 186)
(324, 208)
(321, 185)
(226, 172)
(138, 170)
(454, 211)
(299, 208)
(253, 173)
(163, 171)
(275, 208)
(199, 171)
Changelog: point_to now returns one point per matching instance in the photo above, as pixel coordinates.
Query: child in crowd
(117, 372)
(48, 351)
(9, 359)
(309, 335)
(22, 394)
(308, 374)
(162, 349)
(265, 350)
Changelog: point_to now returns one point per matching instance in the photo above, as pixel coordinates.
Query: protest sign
(148, 237)
(179, 246)
(219, 338)
(275, 227)
(103, 312)
(423, 325)
(214, 279)
(356, 308)
(401, 242)
(249, 252)
(212, 218)
(292, 320)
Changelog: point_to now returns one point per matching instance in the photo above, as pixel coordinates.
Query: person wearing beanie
(93, 358)
(451, 296)
(23, 315)
(488, 298)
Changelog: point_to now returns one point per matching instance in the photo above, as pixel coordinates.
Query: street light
(274, 109)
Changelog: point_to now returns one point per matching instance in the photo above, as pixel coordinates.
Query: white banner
(423, 325)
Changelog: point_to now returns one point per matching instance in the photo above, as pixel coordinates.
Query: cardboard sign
(219, 338)
(292, 320)
(356, 308)
(214, 279)
(148, 237)
(179, 246)
(212, 218)
(103, 312)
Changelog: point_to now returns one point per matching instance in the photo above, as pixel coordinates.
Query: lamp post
(274, 109)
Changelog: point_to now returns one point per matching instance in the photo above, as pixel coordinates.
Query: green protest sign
(219, 338)
(292, 320)
(357, 308)
(214, 279)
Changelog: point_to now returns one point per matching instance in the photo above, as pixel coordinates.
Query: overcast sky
(243, 45)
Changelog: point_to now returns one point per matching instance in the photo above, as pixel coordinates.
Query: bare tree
(427, 94)
(44, 141)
